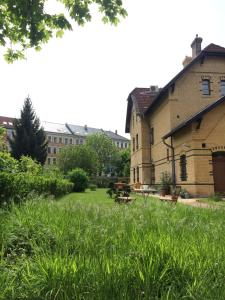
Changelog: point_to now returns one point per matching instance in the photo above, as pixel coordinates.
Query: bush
(8, 163)
(165, 182)
(28, 165)
(79, 179)
(216, 197)
(104, 181)
(92, 187)
(17, 186)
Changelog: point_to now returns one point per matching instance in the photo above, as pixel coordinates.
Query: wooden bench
(124, 199)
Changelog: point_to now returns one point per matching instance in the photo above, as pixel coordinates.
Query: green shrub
(165, 182)
(79, 178)
(104, 181)
(92, 187)
(28, 165)
(17, 186)
(216, 197)
(8, 163)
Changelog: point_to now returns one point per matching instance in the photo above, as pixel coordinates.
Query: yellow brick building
(180, 128)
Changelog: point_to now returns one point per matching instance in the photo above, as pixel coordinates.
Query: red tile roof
(6, 122)
(214, 48)
(144, 98)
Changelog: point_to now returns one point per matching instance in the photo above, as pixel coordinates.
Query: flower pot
(163, 193)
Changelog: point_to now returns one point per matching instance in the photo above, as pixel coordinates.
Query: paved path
(192, 202)
(195, 203)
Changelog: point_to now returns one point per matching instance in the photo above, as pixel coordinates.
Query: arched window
(183, 167)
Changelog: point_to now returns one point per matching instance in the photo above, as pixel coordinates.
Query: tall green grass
(85, 246)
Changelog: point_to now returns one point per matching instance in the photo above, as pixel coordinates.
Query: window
(60, 140)
(137, 141)
(205, 87)
(66, 141)
(55, 139)
(152, 136)
(54, 161)
(125, 145)
(49, 160)
(152, 174)
(71, 141)
(134, 175)
(222, 87)
(133, 144)
(183, 167)
(54, 150)
(81, 142)
(121, 145)
(49, 149)
(137, 174)
(168, 154)
(77, 142)
(118, 144)
(49, 138)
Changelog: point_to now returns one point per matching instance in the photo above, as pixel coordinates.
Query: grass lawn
(84, 246)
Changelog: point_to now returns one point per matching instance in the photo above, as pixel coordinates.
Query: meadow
(84, 246)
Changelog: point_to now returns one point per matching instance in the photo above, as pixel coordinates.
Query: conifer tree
(29, 138)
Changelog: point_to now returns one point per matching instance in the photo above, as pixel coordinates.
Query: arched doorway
(218, 159)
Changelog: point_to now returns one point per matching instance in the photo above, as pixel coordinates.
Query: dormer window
(222, 87)
(205, 87)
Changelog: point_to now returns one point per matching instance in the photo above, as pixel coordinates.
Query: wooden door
(218, 159)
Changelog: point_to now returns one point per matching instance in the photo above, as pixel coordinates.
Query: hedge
(104, 181)
(17, 186)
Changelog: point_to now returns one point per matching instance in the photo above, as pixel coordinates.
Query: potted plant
(165, 182)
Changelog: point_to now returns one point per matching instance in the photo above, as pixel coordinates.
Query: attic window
(205, 87)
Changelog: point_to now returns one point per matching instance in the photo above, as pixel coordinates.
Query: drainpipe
(173, 161)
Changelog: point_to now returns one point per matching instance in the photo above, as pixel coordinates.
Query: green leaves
(29, 138)
(25, 24)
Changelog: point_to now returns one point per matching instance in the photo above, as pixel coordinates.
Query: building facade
(180, 128)
(61, 135)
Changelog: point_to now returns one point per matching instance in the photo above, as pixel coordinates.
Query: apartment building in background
(61, 135)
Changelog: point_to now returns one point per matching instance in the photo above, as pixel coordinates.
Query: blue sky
(85, 77)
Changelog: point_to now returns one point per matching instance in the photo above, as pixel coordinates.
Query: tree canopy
(2, 138)
(29, 138)
(79, 156)
(105, 150)
(26, 24)
(123, 163)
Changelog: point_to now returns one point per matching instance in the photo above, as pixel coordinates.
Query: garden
(86, 246)
(63, 237)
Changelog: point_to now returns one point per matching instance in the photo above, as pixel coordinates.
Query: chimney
(196, 46)
(116, 131)
(154, 88)
(85, 127)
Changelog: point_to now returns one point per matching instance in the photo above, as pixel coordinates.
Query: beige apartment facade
(181, 127)
(62, 135)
